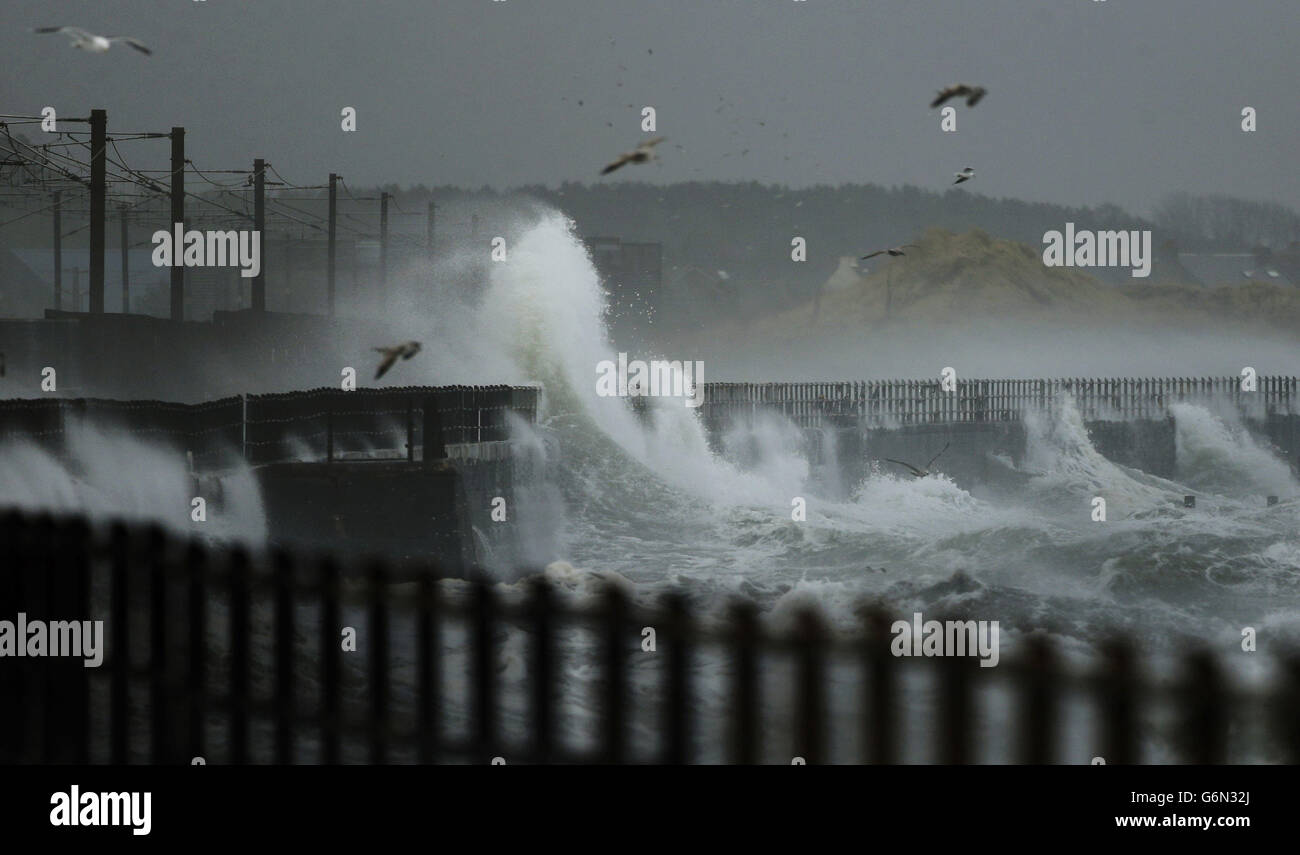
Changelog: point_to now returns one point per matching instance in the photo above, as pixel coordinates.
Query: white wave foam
(1217, 455)
(112, 475)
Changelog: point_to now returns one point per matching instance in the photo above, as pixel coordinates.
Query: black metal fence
(317, 424)
(217, 656)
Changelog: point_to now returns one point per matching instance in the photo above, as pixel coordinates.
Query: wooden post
(410, 431)
(118, 699)
(239, 635)
(435, 447)
(429, 669)
(676, 748)
(329, 428)
(377, 593)
(331, 688)
(613, 723)
(743, 731)
(1038, 704)
(881, 688)
(542, 612)
(1118, 702)
(1204, 733)
(809, 702)
(283, 574)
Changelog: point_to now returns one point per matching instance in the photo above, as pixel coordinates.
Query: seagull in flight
(892, 251)
(90, 42)
(972, 94)
(641, 154)
(921, 472)
(391, 354)
(965, 175)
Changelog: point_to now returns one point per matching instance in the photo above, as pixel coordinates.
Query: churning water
(646, 501)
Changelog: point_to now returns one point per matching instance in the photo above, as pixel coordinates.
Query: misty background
(782, 118)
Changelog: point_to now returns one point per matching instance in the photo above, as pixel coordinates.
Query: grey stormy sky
(1089, 102)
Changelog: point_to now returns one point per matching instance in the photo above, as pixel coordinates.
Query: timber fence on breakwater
(908, 402)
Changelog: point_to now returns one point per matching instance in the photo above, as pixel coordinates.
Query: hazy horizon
(798, 93)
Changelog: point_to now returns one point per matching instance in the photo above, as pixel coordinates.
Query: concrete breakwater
(411, 472)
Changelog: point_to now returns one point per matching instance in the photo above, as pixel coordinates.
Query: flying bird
(921, 472)
(405, 350)
(91, 42)
(643, 153)
(972, 94)
(965, 175)
(893, 251)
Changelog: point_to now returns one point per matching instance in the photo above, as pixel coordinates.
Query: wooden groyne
(909, 402)
(1128, 419)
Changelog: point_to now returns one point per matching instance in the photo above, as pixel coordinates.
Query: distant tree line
(1225, 222)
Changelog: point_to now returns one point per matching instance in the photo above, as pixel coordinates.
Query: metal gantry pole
(126, 269)
(333, 242)
(58, 250)
(98, 201)
(258, 294)
(178, 218)
(383, 248)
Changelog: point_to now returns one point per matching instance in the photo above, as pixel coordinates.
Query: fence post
(1038, 718)
(64, 709)
(410, 430)
(1286, 708)
(196, 568)
(330, 650)
(378, 630)
(881, 687)
(284, 671)
(429, 663)
(1205, 722)
(955, 703)
(613, 730)
(810, 735)
(240, 630)
(1118, 704)
(677, 698)
(744, 693)
(158, 683)
(543, 671)
(329, 427)
(482, 626)
(121, 666)
(435, 445)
